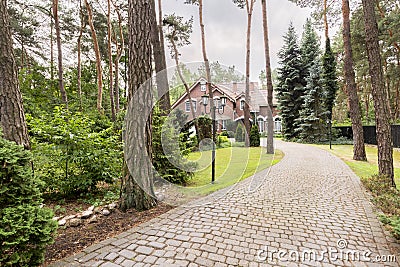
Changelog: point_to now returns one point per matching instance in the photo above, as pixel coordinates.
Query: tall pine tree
(311, 126)
(291, 83)
(309, 47)
(329, 78)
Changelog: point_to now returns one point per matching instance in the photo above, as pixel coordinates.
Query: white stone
(91, 208)
(62, 222)
(105, 212)
(86, 214)
(69, 217)
(112, 206)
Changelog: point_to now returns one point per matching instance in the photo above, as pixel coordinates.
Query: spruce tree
(309, 47)
(291, 83)
(329, 79)
(311, 123)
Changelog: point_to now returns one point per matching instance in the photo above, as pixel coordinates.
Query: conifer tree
(329, 78)
(311, 122)
(291, 82)
(310, 47)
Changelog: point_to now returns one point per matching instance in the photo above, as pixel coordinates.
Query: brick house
(233, 111)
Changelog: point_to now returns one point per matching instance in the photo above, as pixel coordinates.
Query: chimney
(234, 87)
(251, 87)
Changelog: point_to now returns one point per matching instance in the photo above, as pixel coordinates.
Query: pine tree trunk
(160, 63)
(326, 26)
(79, 47)
(110, 61)
(12, 116)
(59, 51)
(351, 88)
(178, 68)
(205, 58)
(137, 181)
(383, 129)
(270, 121)
(98, 59)
(120, 49)
(246, 109)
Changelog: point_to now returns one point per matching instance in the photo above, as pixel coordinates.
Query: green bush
(70, 156)
(387, 199)
(240, 132)
(393, 222)
(172, 166)
(254, 136)
(224, 133)
(223, 141)
(25, 227)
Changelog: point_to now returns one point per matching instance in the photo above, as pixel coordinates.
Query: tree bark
(110, 61)
(79, 46)
(351, 87)
(137, 181)
(383, 129)
(12, 116)
(205, 58)
(64, 97)
(120, 49)
(178, 68)
(326, 19)
(246, 109)
(268, 74)
(160, 62)
(98, 59)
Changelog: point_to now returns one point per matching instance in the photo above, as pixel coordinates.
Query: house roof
(234, 91)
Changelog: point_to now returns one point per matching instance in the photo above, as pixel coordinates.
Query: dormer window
(203, 86)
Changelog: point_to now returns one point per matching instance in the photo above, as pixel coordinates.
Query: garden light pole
(219, 102)
(329, 122)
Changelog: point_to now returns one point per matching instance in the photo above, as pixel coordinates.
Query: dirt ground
(71, 240)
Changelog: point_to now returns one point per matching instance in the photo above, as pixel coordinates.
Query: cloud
(225, 26)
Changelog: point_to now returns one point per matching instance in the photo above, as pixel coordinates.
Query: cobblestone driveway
(308, 206)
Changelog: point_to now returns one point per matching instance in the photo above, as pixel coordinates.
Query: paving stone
(308, 201)
(144, 250)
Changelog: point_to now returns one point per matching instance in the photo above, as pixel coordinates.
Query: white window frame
(241, 104)
(194, 103)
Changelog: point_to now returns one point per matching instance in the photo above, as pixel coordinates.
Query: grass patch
(364, 169)
(385, 197)
(232, 165)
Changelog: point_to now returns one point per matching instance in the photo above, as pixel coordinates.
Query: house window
(223, 125)
(260, 125)
(187, 105)
(242, 104)
(277, 125)
(203, 87)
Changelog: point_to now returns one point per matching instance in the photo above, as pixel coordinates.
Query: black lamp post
(329, 122)
(219, 102)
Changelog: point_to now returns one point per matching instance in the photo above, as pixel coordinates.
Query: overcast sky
(225, 26)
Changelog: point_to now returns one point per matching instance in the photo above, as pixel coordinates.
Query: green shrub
(70, 156)
(240, 132)
(171, 165)
(223, 141)
(25, 227)
(393, 222)
(387, 199)
(254, 136)
(224, 133)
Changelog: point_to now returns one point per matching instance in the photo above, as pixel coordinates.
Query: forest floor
(71, 240)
